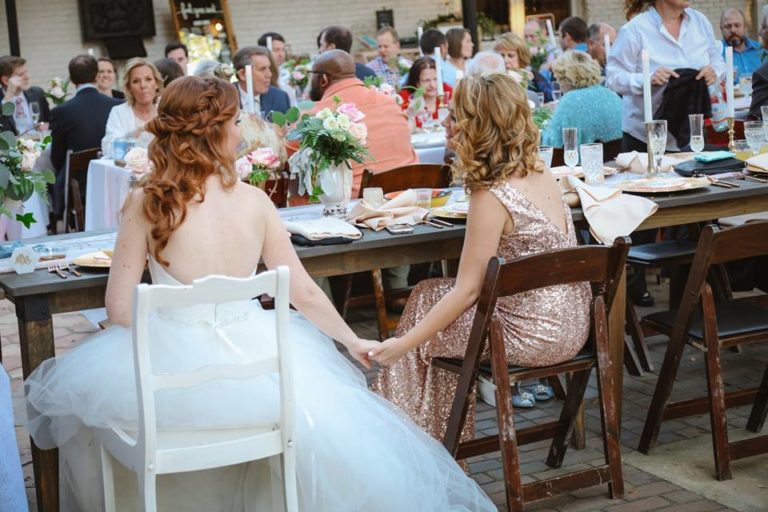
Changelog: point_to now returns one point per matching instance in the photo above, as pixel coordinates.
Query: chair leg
(570, 411)
(288, 462)
(505, 417)
(760, 408)
(381, 304)
(638, 339)
(108, 480)
(608, 412)
(631, 364)
(147, 490)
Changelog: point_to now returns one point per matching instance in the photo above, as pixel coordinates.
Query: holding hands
(361, 349)
(389, 351)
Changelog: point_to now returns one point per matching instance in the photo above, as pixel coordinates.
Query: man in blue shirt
(573, 34)
(747, 54)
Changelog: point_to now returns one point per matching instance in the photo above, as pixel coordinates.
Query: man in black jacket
(759, 92)
(79, 123)
(17, 89)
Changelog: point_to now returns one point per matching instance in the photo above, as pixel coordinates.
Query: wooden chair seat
(734, 318)
(668, 252)
(583, 360)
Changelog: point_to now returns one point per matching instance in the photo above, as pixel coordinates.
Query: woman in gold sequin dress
(516, 210)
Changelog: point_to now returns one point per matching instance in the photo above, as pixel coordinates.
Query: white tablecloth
(108, 186)
(430, 147)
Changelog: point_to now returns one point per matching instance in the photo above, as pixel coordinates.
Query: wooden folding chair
(602, 267)
(75, 171)
(712, 325)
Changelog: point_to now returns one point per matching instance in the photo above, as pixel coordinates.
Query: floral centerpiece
(375, 82)
(258, 166)
(297, 70)
(542, 51)
(18, 179)
(57, 90)
(521, 76)
(330, 139)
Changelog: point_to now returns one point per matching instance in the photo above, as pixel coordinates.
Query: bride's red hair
(190, 144)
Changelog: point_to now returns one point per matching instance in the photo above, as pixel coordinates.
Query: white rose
(359, 131)
(339, 135)
(57, 92)
(331, 124)
(343, 121)
(137, 161)
(324, 114)
(243, 167)
(28, 161)
(531, 104)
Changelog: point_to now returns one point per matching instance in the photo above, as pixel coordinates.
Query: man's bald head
(330, 67)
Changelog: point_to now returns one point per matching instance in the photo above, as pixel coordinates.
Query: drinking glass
(657, 144)
(34, 108)
(374, 196)
(442, 113)
(424, 198)
(741, 149)
(745, 84)
(556, 95)
(696, 122)
(545, 153)
(570, 150)
(753, 132)
(764, 112)
(592, 163)
(541, 98)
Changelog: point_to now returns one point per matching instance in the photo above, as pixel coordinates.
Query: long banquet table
(40, 295)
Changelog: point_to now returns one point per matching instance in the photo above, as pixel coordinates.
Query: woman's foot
(524, 400)
(541, 392)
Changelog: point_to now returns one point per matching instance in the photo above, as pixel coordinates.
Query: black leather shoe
(644, 301)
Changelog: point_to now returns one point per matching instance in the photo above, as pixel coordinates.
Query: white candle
(419, 33)
(729, 80)
(91, 52)
(249, 88)
(551, 34)
(439, 70)
(269, 43)
(647, 99)
(607, 40)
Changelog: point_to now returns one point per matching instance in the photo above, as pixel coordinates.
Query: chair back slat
(76, 166)
(217, 372)
(408, 176)
(739, 242)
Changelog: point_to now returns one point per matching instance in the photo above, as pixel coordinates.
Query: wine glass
(753, 132)
(570, 149)
(657, 144)
(696, 122)
(34, 108)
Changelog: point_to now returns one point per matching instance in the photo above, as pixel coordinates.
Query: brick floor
(643, 490)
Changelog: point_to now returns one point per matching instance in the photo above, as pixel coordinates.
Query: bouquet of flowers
(137, 160)
(329, 138)
(375, 82)
(18, 179)
(298, 72)
(258, 166)
(541, 50)
(57, 90)
(521, 76)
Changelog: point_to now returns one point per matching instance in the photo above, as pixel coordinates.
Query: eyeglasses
(317, 72)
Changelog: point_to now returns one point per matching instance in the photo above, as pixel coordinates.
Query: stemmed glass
(657, 145)
(34, 108)
(570, 149)
(696, 122)
(753, 132)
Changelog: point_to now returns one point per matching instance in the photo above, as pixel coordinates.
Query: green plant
(541, 117)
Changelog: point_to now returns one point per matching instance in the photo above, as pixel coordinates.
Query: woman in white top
(142, 85)
(675, 36)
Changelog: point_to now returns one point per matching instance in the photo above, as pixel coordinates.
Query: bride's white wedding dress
(356, 452)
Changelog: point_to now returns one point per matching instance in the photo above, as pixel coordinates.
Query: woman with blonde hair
(142, 86)
(517, 59)
(191, 217)
(515, 209)
(595, 111)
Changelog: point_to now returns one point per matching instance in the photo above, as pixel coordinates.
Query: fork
(65, 266)
(54, 267)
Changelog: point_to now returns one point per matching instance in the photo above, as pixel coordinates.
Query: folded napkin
(635, 161)
(610, 213)
(322, 229)
(400, 210)
(758, 163)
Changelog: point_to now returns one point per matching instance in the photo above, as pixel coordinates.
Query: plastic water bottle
(719, 108)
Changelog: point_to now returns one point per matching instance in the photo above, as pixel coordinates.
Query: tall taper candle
(249, 89)
(647, 98)
(439, 70)
(419, 33)
(269, 43)
(607, 44)
(729, 80)
(551, 35)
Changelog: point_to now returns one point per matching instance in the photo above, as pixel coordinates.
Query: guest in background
(533, 33)
(178, 52)
(747, 54)
(142, 85)
(13, 496)
(340, 38)
(431, 39)
(106, 78)
(16, 88)
(516, 210)
(517, 58)
(573, 34)
(586, 105)
(280, 78)
(79, 123)
(423, 76)
(596, 42)
(389, 65)
(279, 52)
(460, 50)
(169, 69)
(491, 62)
(266, 97)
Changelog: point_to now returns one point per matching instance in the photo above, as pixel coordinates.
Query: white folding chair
(150, 452)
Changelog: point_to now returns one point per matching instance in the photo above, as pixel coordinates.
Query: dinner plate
(98, 259)
(562, 171)
(454, 211)
(663, 185)
(439, 196)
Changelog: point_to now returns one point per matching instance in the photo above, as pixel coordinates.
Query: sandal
(541, 392)
(524, 400)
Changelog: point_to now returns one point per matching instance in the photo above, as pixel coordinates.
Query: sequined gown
(541, 327)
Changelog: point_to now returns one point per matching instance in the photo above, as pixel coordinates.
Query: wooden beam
(13, 27)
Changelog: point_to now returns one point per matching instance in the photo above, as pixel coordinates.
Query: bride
(192, 218)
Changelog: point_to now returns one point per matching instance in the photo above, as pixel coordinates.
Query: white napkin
(610, 213)
(758, 163)
(635, 161)
(400, 210)
(322, 228)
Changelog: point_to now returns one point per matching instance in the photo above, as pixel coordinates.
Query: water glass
(545, 153)
(374, 196)
(556, 94)
(764, 112)
(741, 149)
(592, 163)
(657, 144)
(542, 99)
(570, 150)
(753, 132)
(34, 109)
(696, 122)
(745, 84)
(424, 198)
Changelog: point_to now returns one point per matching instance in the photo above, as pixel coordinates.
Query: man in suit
(266, 97)
(340, 38)
(759, 92)
(79, 123)
(17, 89)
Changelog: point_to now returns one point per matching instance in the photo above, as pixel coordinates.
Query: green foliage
(541, 117)
(27, 219)
(372, 81)
(8, 109)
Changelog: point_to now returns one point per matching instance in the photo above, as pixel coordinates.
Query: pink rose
(351, 111)
(243, 167)
(265, 158)
(359, 131)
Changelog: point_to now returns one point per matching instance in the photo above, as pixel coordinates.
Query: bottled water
(719, 107)
(571, 157)
(697, 143)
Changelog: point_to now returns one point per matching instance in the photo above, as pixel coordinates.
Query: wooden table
(41, 295)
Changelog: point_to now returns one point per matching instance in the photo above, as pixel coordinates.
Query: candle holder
(731, 133)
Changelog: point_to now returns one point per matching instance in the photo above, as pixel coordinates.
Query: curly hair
(495, 133)
(190, 145)
(509, 42)
(576, 70)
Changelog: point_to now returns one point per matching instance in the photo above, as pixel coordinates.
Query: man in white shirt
(266, 97)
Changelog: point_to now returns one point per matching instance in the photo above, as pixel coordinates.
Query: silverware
(54, 268)
(433, 224)
(440, 222)
(754, 179)
(719, 183)
(65, 266)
